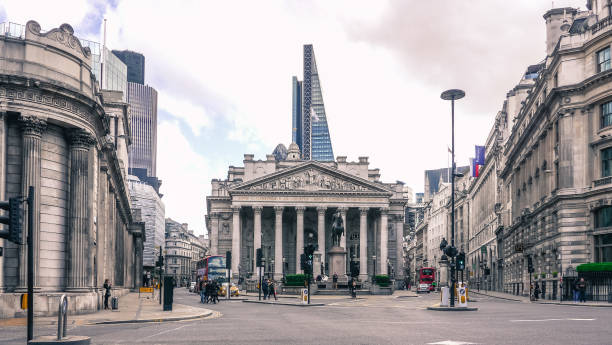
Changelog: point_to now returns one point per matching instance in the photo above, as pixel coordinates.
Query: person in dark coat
(107, 292)
(272, 290)
(265, 289)
(536, 291)
(581, 285)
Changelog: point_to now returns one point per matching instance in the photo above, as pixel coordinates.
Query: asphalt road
(373, 320)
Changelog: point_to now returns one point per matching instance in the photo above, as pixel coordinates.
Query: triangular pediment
(311, 177)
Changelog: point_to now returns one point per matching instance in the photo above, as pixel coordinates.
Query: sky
(223, 72)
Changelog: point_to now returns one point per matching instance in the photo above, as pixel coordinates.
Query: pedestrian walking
(203, 292)
(107, 292)
(576, 291)
(581, 285)
(272, 290)
(335, 280)
(264, 288)
(353, 287)
(536, 291)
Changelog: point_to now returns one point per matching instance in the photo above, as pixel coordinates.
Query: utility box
(462, 295)
(444, 297)
(168, 293)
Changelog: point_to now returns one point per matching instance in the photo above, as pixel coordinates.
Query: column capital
(363, 211)
(80, 138)
(384, 210)
(321, 209)
(343, 209)
(32, 125)
(235, 208)
(300, 209)
(278, 209)
(257, 209)
(214, 215)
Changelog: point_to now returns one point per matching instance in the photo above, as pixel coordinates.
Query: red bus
(211, 268)
(427, 276)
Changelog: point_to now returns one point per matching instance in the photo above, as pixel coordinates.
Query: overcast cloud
(223, 72)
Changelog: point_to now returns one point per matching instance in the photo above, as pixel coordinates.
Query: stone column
(235, 240)
(299, 242)
(363, 243)
(78, 266)
(3, 142)
(384, 236)
(256, 234)
(214, 236)
(32, 130)
(343, 238)
(278, 243)
(399, 249)
(321, 231)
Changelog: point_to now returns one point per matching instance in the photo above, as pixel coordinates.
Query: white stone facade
(281, 206)
(69, 140)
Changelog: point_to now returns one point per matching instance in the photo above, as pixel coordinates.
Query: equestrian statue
(337, 229)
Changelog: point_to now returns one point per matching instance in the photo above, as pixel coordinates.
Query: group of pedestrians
(268, 289)
(209, 291)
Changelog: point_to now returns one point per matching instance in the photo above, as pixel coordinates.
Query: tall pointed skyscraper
(310, 130)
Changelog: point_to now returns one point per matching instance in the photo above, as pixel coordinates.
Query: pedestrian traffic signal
(14, 220)
(451, 251)
(258, 258)
(461, 261)
(228, 260)
(160, 261)
(309, 250)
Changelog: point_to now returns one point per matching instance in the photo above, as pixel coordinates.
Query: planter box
(379, 290)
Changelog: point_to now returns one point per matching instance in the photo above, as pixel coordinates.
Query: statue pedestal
(337, 262)
(444, 273)
(316, 264)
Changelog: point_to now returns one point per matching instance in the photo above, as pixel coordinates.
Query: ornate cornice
(80, 138)
(32, 125)
(63, 35)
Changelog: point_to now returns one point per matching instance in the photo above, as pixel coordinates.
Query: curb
(504, 298)
(169, 319)
(438, 308)
(578, 304)
(289, 304)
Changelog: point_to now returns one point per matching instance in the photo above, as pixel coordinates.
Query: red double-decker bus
(427, 276)
(211, 268)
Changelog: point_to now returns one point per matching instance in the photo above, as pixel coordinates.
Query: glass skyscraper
(310, 130)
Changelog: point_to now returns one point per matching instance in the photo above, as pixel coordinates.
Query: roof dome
(280, 152)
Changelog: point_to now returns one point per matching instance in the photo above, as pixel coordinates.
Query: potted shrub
(555, 273)
(543, 275)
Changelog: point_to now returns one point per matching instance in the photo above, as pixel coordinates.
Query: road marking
(166, 331)
(451, 342)
(546, 320)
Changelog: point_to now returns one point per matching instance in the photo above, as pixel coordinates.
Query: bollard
(62, 317)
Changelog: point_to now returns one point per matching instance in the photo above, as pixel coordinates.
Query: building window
(606, 114)
(603, 60)
(603, 248)
(603, 217)
(606, 162)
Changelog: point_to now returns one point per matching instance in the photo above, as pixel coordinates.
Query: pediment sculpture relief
(310, 180)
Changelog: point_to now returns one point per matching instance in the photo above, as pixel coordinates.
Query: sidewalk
(132, 309)
(525, 299)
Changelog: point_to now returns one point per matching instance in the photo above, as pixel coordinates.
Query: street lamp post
(452, 95)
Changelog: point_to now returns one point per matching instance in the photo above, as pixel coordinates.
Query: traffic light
(530, 265)
(258, 258)
(354, 269)
(461, 261)
(303, 262)
(450, 251)
(14, 220)
(228, 260)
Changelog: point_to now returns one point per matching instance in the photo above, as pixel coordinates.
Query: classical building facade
(183, 250)
(63, 135)
(283, 205)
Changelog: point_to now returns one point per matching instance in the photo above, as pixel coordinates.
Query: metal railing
(62, 317)
(14, 30)
(599, 286)
(601, 24)
(602, 181)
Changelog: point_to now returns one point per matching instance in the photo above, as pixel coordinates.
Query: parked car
(192, 287)
(424, 288)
